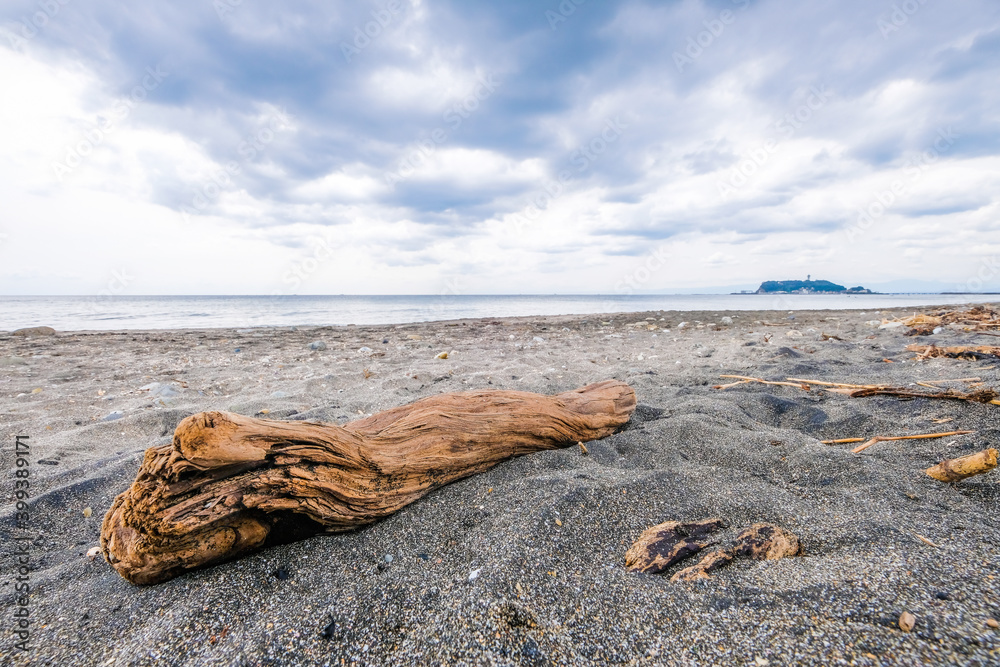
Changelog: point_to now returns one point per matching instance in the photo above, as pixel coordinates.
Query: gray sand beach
(524, 564)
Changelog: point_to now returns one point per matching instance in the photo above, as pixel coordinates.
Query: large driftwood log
(230, 484)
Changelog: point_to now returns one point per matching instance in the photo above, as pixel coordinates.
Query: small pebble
(281, 573)
(992, 622)
(443, 355)
(907, 621)
(87, 512)
(474, 575)
(317, 345)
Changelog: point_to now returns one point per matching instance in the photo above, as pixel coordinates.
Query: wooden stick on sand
(954, 470)
(922, 436)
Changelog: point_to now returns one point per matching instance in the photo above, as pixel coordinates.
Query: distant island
(807, 286)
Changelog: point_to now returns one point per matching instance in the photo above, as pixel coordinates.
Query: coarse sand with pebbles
(524, 564)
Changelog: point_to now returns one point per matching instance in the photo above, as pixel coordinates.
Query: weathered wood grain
(230, 484)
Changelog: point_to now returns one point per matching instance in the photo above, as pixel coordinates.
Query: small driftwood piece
(977, 396)
(954, 470)
(661, 547)
(761, 541)
(888, 438)
(743, 379)
(229, 484)
(968, 352)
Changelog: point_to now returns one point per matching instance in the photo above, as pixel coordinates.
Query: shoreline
(204, 313)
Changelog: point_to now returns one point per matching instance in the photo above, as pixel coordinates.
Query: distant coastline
(807, 286)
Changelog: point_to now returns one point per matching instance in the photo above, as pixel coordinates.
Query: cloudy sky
(437, 146)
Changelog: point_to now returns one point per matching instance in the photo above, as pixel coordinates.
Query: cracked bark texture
(228, 484)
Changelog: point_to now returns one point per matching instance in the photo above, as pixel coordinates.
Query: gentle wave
(199, 312)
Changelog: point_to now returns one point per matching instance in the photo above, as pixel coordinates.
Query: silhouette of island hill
(807, 287)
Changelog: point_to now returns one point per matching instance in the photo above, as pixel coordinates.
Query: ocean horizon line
(486, 295)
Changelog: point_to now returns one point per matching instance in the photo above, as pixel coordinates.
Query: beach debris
(965, 352)
(954, 470)
(863, 390)
(87, 512)
(726, 320)
(978, 396)
(225, 481)
(583, 449)
(907, 621)
(281, 574)
(925, 324)
(415, 337)
(442, 355)
(761, 541)
(868, 442)
(364, 350)
(663, 546)
(112, 416)
(35, 331)
(367, 373)
(93, 553)
(927, 541)
(743, 379)
(993, 623)
(317, 346)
